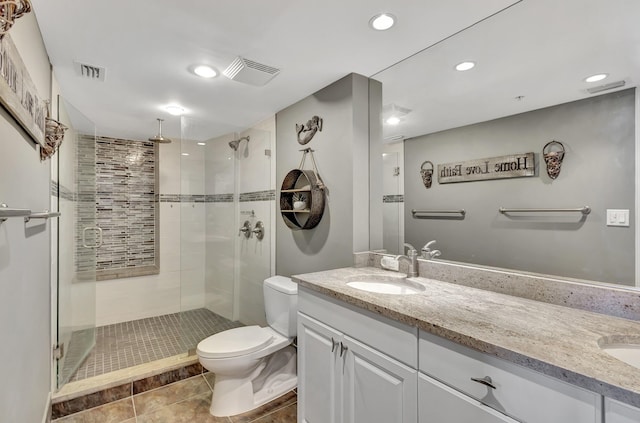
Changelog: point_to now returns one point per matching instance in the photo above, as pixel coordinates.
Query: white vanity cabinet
(346, 373)
(617, 412)
(489, 382)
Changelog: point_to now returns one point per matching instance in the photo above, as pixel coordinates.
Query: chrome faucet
(412, 259)
(428, 253)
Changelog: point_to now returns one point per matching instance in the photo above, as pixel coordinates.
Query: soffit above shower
(149, 48)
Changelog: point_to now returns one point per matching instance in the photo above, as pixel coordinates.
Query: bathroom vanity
(451, 353)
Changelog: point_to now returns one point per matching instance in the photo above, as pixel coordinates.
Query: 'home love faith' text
(513, 166)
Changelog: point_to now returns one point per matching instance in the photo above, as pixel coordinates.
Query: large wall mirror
(528, 88)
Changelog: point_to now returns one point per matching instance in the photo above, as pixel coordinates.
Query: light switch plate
(617, 217)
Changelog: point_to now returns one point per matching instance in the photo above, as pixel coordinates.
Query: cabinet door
(617, 412)
(376, 388)
(438, 403)
(319, 378)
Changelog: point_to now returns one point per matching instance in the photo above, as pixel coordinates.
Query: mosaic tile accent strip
(219, 198)
(196, 198)
(267, 195)
(131, 343)
(393, 198)
(61, 191)
(126, 179)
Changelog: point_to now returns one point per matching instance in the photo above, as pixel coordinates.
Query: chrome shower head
(235, 143)
(159, 138)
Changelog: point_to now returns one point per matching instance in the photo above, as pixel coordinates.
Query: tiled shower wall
(126, 182)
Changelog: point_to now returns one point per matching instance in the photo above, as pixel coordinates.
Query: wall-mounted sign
(513, 166)
(18, 93)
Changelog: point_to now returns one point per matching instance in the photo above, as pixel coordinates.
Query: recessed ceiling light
(185, 154)
(202, 143)
(393, 120)
(465, 66)
(596, 78)
(205, 71)
(382, 21)
(174, 109)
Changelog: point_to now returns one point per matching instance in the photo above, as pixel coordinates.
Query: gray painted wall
(25, 356)
(598, 171)
(342, 155)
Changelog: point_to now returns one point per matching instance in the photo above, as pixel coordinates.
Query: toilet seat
(235, 342)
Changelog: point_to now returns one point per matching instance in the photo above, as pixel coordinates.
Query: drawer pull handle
(333, 344)
(486, 381)
(343, 348)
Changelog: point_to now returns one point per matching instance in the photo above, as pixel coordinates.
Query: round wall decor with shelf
(302, 184)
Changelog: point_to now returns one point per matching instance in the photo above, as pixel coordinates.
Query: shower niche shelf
(307, 183)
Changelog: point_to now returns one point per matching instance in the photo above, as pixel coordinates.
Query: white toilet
(255, 365)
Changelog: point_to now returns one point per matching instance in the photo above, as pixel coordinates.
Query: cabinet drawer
(439, 403)
(617, 412)
(388, 336)
(522, 393)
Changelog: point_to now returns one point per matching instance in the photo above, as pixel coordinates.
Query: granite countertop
(558, 341)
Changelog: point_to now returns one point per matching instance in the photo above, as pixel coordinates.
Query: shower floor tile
(129, 344)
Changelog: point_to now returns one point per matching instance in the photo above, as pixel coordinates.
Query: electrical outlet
(617, 217)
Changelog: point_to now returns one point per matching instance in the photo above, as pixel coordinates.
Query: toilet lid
(235, 342)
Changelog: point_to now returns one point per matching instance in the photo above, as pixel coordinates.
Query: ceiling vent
(95, 73)
(606, 87)
(250, 72)
(394, 138)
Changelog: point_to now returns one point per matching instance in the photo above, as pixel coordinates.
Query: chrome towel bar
(584, 210)
(461, 212)
(44, 215)
(6, 212)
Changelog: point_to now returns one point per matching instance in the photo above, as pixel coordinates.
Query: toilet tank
(281, 304)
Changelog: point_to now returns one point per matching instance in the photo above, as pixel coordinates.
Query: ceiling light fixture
(382, 22)
(465, 66)
(205, 71)
(185, 154)
(596, 78)
(392, 114)
(175, 110)
(202, 143)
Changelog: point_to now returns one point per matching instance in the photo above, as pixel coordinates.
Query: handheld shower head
(159, 138)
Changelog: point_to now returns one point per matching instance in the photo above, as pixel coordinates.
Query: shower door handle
(98, 244)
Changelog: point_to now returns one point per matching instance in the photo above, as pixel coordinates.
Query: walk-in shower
(211, 280)
(235, 143)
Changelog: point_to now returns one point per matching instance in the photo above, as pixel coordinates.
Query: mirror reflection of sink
(625, 349)
(383, 284)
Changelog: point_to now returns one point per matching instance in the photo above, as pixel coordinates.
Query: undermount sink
(382, 284)
(625, 350)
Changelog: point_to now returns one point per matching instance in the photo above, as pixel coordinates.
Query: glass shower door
(78, 238)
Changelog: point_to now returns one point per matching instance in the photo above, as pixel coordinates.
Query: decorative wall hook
(427, 174)
(10, 10)
(53, 136)
(553, 153)
(306, 132)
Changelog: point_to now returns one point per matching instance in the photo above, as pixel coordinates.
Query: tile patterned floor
(186, 401)
(136, 342)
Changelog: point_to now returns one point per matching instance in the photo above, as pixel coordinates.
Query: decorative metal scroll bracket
(306, 132)
(10, 10)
